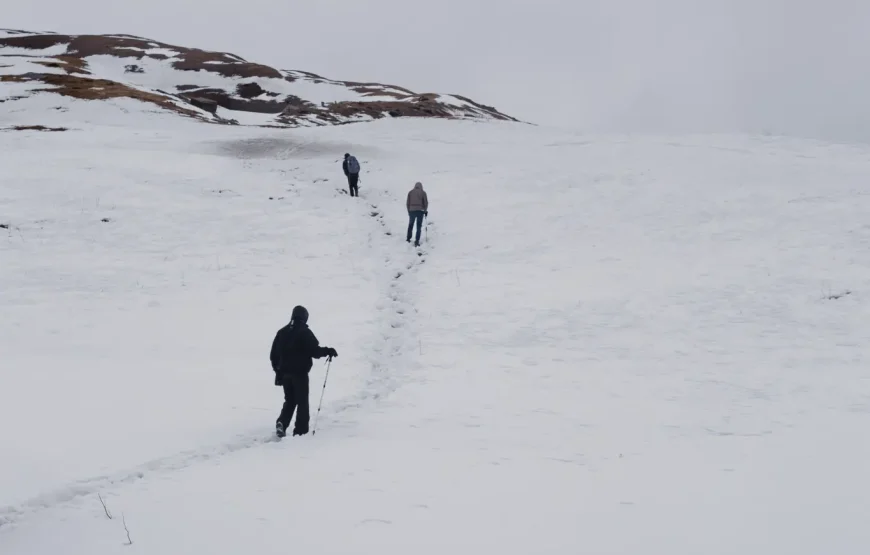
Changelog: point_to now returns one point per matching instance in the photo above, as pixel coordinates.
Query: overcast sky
(782, 66)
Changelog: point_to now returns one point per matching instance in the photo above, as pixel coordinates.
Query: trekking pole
(314, 427)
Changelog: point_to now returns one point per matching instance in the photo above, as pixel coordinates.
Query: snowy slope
(610, 345)
(187, 80)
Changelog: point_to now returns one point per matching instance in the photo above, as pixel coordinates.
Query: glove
(426, 213)
(332, 353)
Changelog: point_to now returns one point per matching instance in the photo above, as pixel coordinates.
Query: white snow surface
(12, 64)
(17, 90)
(451, 100)
(610, 345)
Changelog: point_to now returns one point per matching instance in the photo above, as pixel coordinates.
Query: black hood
(300, 315)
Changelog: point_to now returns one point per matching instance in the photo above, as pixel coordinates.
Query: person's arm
(408, 202)
(314, 349)
(425, 202)
(344, 167)
(275, 354)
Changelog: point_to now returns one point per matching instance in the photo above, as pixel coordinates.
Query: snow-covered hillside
(608, 345)
(210, 86)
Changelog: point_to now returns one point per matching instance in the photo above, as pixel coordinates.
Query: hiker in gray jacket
(418, 207)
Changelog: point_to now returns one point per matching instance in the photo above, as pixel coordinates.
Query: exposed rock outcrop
(212, 86)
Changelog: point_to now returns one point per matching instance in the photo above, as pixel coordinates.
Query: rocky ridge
(217, 87)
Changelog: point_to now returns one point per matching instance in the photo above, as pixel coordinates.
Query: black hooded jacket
(295, 345)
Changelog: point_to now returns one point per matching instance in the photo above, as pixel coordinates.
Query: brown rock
(249, 90)
(206, 104)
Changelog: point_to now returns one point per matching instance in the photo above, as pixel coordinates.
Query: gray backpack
(352, 165)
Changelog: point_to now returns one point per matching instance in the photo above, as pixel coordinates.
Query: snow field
(129, 296)
(611, 344)
(19, 65)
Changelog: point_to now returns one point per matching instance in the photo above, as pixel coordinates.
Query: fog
(797, 67)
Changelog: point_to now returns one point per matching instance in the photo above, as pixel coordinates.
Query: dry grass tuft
(373, 91)
(69, 64)
(228, 66)
(35, 42)
(86, 88)
(101, 89)
(37, 128)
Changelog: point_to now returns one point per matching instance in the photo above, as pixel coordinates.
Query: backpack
(352, 165)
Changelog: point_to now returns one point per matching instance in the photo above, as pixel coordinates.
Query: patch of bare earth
(69, 64)
(239, 102)
(223, 64)
(83, 46)
(35, 42)
(35, 128)
(247, 97)
(422, 106)
(399, 92)
(374, 91)
(86, 88)
(186, 59)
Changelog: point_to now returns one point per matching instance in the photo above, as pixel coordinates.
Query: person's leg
(289, 403)
(350, 184)
(300, 388)
(410, 226)
(354, 184)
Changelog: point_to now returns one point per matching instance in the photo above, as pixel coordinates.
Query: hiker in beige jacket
(418, 207)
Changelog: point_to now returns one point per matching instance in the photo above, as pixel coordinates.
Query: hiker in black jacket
(292, 350)
(351, 168)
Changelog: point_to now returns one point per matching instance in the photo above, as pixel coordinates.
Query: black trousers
(295, 399)
(353, 184)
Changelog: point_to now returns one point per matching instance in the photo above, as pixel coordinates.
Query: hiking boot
(299, 432)
(279, 429)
